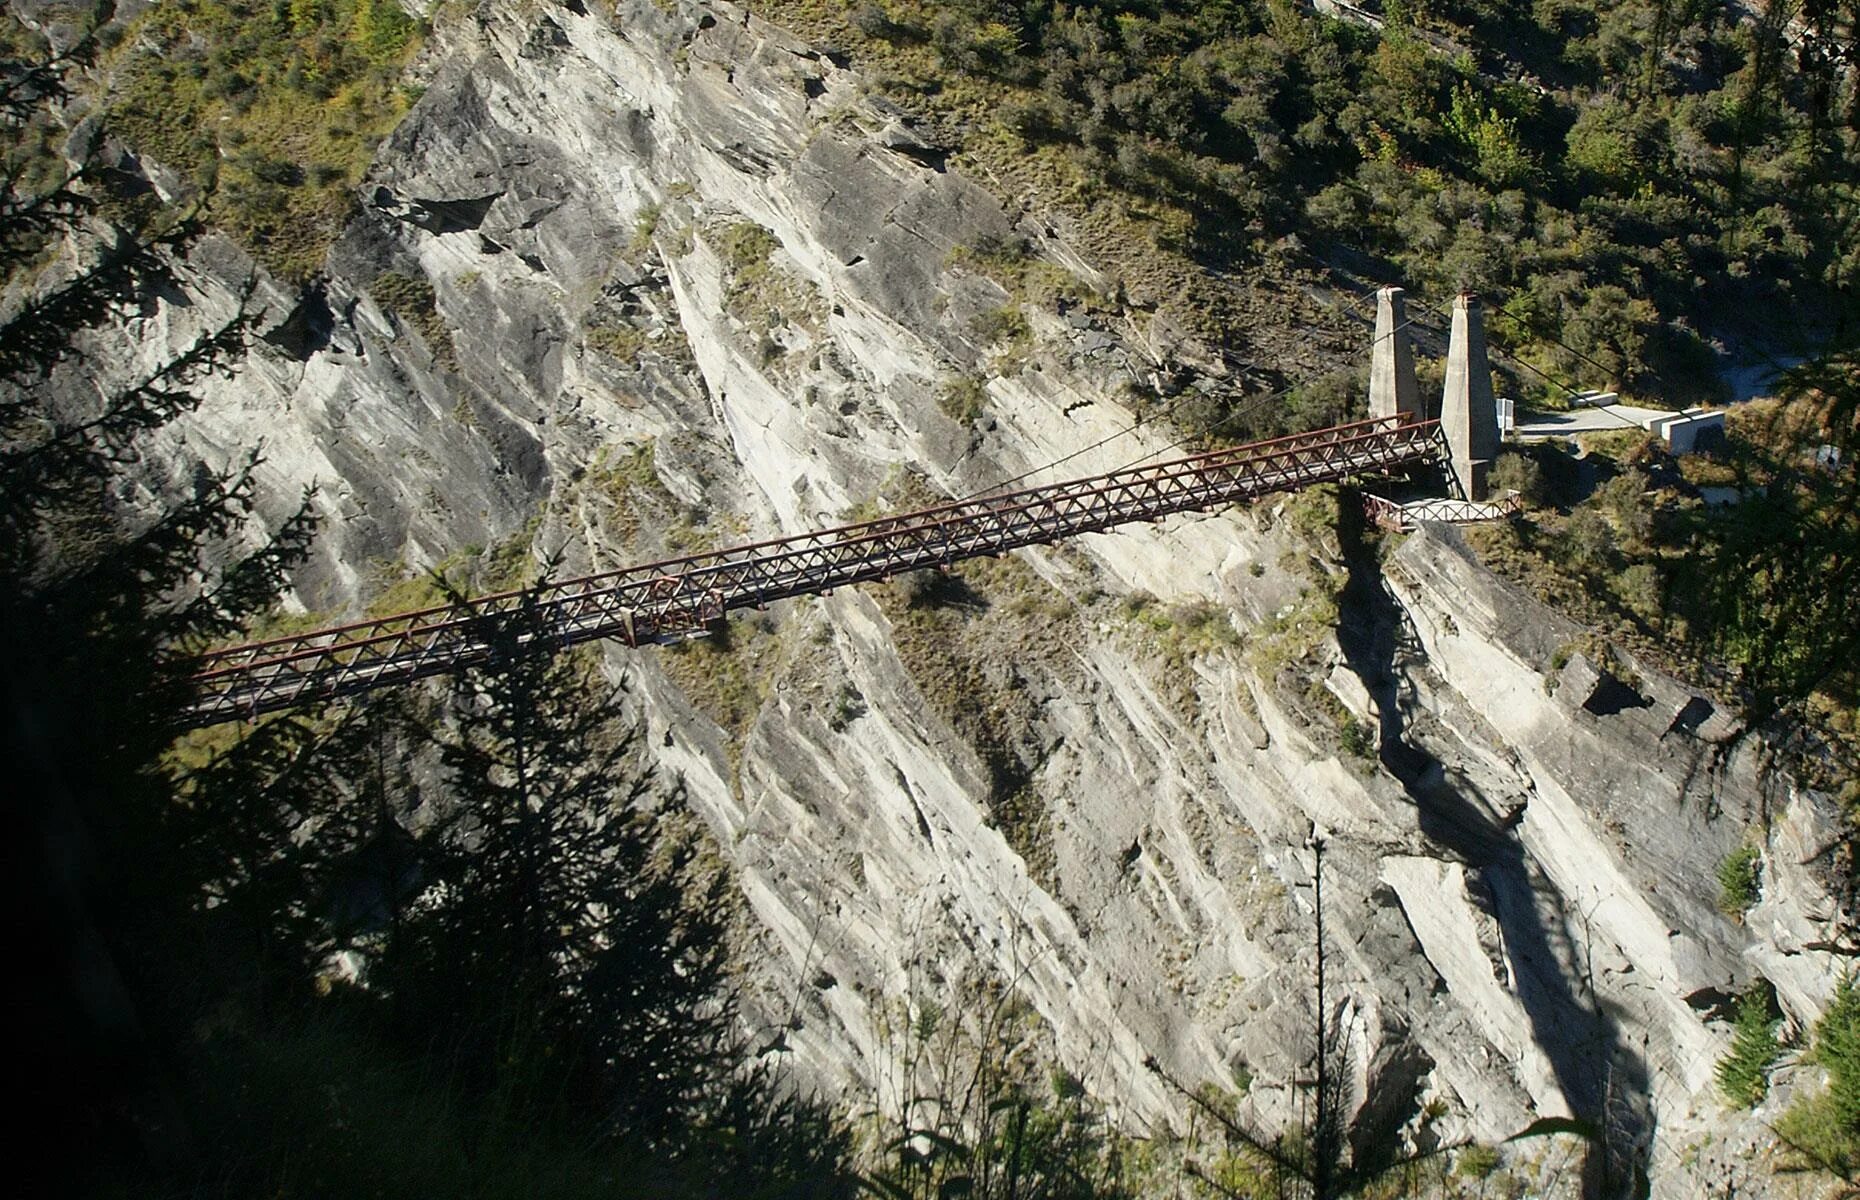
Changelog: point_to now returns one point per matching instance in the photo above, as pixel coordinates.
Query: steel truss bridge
(680, 598)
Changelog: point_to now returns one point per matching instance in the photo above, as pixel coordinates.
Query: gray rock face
(688, 230)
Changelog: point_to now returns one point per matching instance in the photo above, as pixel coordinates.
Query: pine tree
(555, 959)
(1743, 1075)
(1824, 1127)
(100, 610)
(185, 894)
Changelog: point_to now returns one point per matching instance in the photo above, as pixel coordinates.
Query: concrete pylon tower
(1468, 412)
(1393, 389)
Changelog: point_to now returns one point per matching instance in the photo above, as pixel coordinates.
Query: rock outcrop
(1087, 779)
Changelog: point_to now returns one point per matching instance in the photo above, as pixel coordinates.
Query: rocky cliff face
(633, 282)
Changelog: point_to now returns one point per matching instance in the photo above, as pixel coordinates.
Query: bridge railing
(1400, 517)
(678, 598)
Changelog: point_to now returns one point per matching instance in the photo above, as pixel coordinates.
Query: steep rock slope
(625, 284)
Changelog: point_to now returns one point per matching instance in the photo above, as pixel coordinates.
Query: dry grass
(979, 644)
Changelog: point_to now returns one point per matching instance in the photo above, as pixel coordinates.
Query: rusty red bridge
(680, 598)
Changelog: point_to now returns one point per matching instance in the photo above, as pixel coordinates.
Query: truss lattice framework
(678, 598)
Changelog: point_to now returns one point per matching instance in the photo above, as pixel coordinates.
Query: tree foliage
(1781, 576)
(101, 603)
(1743, 1074)
(1597, 161)
(1825, 1127)
(1739, 879)
(261, 965)
(554, 921)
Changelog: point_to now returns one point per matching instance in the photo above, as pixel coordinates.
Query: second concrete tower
(1468, 411)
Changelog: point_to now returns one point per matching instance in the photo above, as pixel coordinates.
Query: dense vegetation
(1824, 1127)
(1638, 185)
(1736, 568)
(276, 106)
(1627, 179)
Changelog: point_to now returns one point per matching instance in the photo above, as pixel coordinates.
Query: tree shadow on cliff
(1603, 1079)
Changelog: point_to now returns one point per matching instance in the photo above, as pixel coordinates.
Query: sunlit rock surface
(1084, 783)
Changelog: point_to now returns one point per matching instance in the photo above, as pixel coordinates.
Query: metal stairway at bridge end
(679, 598)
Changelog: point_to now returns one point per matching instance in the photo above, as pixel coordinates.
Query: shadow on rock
(1603, 1080)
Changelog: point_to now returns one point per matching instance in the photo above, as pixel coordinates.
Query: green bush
(277, 107)
(1359, 741)
(413, 302)
(1739, 879)
(1608, 144)
(645, 225)
(1588, 542)
(963, 399)
(1475, 1162)
(1627, 501)
(1522, 474)
(1005, 326)
(746, 247)
(1491, 138)
(1329, 399)
(1825, 1128)
(1641, 589)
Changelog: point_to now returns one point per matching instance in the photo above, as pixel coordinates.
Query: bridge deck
(678, 598)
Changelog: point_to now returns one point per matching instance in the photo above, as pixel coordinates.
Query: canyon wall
(628, 283)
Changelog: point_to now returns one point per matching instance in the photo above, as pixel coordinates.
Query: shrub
(1037, 119)
(414, 304)
(1522, 474)
(1625, 497)
(1744, 1074)
(963, 399)
(848, 706)
(746, 246)
(876, 21)
(1641, 590)
(1587, 539)
(645, 225)
(1202, 626)
(623, 342)
(1738, 879)
(1357, 738)
(1606, 144)
(1006, 325)
(1609, 332)
(1329, 399)
(1825, 1128)
(1476, 1162)
(928, 588)
(1491, 138)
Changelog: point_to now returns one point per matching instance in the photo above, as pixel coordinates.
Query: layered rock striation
(627, 283)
